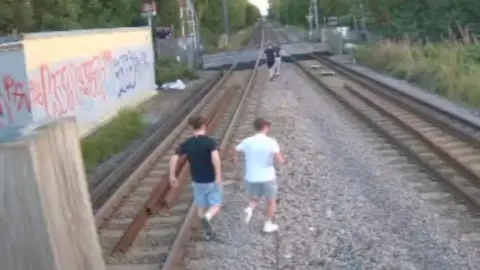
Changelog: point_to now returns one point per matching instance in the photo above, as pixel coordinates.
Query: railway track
(103, 190)
(146, 223)
(445, 145)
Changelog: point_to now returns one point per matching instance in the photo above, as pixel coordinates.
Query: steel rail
(191, 218)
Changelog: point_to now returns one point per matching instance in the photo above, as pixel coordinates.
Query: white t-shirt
(259, 151)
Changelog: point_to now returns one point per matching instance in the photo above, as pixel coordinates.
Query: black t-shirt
(199, 155)
(270, 52)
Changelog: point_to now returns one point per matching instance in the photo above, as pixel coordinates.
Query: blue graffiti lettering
(128, 68)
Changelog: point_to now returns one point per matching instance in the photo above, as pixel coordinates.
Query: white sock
(249, 213)
(269, 222)
(208, 216)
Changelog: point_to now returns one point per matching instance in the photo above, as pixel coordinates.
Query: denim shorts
(267, 189)
(207, 194)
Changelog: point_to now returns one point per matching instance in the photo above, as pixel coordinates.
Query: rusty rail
(163, 195)
(191, 219)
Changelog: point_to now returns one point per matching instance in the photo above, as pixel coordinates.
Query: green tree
(417, 19)
(48, 15)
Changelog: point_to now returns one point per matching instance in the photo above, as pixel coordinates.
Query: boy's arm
(238, 148)
(181, 150)
(217, 165)
(279, 158)
(216, 161)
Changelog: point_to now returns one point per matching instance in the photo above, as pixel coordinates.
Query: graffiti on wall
(15, 106)
(87, 87)
(129, 68)
(62, 89)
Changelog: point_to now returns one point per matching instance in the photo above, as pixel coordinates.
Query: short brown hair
(196, 122)
(260, 123)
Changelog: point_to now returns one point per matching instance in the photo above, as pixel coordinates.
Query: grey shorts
(267, 189)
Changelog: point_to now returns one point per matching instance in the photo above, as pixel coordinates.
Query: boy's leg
(279, 62)
(270, 189)
(253, 195)
(271, 69)
(275, 64)
(200, 198)
(214, 198)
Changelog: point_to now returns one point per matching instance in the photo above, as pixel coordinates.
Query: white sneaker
(248, 214)
(270, 227)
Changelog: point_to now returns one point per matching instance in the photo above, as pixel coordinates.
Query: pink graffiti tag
(15, 92)
(60, 91)
(13, 100)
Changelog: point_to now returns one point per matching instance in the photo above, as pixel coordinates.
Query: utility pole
(287, 13)
(363, 21)
(226, 20)
(189, 29)
(317, 30)
(313, 15)
(310, 23)
(354, 11)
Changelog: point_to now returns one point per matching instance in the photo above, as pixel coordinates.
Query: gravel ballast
(348, 200)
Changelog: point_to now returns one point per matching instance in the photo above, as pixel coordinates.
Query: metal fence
(338, 37)
(182, 49)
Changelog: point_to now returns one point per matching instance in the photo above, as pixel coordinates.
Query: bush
(112, 138)
(168, 70)
(210, 40)
(239, 39)
(449, 69)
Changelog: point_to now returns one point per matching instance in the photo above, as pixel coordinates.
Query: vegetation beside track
(448, 69)
(416, 20)
(168, 69)
(440, 53)
(236, 41)
(112, 138)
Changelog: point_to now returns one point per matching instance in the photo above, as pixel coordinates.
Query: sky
(262, 6)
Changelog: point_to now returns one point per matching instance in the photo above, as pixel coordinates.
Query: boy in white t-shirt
(261, 152)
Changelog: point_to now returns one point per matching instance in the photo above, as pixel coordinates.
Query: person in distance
(261, 152)
(278, 60)
(205, 167)
(270, 55)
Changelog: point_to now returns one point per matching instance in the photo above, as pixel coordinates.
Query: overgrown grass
(112, 138)
(210, 40)
(236, 41)
(448, 69)
(168, 70)
(214, 42)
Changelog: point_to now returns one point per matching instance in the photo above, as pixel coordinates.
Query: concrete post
(46, 217)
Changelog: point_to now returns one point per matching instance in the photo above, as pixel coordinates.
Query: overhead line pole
(317, 30)
(226, 20)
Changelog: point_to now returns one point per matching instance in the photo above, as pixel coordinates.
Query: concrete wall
(14, 97)
(88, 74)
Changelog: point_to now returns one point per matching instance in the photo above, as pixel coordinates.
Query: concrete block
(46, 217)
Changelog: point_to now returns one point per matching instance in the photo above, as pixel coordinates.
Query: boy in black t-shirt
(270, 55)
(203, 156)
